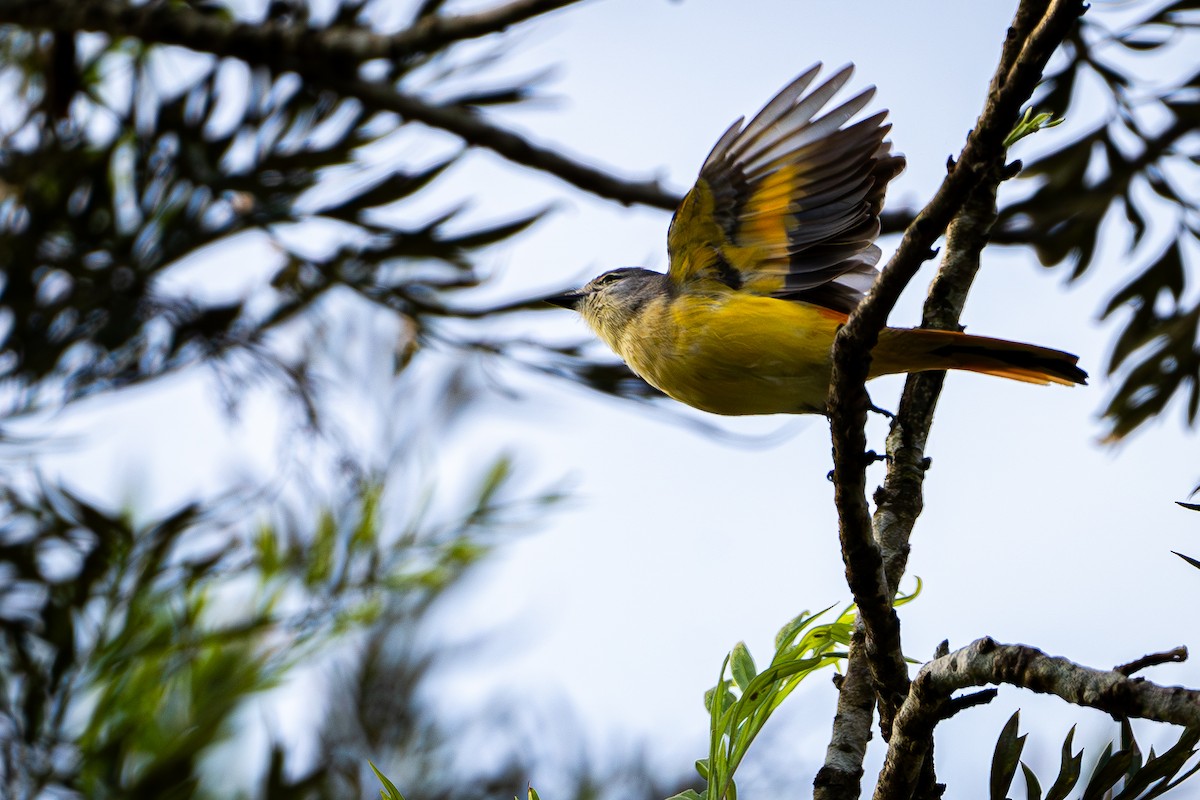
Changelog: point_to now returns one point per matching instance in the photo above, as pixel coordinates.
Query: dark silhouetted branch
(281, 45)
(321, 55)
(476, 131)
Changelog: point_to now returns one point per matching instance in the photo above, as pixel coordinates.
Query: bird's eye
(611, 277)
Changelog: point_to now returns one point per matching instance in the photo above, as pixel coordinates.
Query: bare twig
(957, 704)
(1173, 656)
(985, 662)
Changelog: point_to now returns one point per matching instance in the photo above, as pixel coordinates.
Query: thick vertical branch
(875, 555)
(841, 775)
(900, 500)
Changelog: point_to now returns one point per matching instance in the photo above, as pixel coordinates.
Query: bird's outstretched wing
(788, 205)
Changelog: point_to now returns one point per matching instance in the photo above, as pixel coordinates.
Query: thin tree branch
(1174, 656)
(437, 31)
(474, 130)
(283, 46)
(985, 662)
(956, 705)
(322, 55)
(1013, 83)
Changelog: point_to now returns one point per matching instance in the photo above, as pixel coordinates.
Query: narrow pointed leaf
(742, 666)
(1006, 757)
(1033, 789)
(1068, 771)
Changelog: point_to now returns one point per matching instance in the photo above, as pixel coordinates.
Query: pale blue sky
(678, 545)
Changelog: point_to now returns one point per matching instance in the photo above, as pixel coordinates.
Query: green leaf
(742, 666)
(1108, 770)
(791, 630)
(1129, 744)
(320, 555)
(1068, 771)
(728, 698)
(267, 546)
(1005, 758)
(1030, 124)
(389, 790)
(1167, 786)
(1194, 562)
(1160, 768)
(1033, 789)
(492, 482)
(367, 530)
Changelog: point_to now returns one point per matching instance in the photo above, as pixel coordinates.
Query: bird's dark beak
(569, 299)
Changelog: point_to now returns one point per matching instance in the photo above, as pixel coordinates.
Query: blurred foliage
(96, 209)
(133, 654)
(1121, 775)
(1137, 167)
(129, 650)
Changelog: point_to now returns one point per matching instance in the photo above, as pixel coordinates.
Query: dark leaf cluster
(96, 209)
(1141, 163)
(1121, 775)
(129, 652)
(103, 614)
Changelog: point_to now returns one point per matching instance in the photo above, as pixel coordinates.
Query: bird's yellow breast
(732, 353)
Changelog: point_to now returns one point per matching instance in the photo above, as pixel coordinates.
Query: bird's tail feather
(918, 350)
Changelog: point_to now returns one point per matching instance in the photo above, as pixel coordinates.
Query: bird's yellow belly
(735, 355)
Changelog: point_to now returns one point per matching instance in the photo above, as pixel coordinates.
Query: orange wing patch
(787, 205)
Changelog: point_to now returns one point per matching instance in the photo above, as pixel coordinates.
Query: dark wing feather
(788, 205)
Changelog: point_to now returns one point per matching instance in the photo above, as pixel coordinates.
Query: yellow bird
(769, 252)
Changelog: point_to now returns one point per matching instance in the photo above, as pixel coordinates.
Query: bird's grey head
(610, 301)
